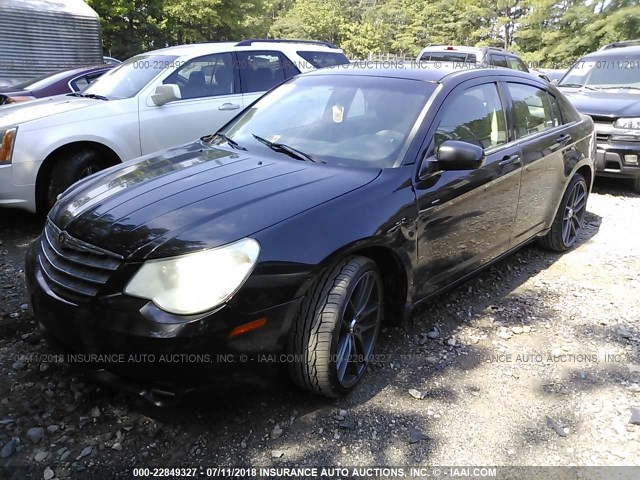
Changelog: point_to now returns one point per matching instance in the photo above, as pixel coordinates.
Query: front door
(465, 218)
(209, 86)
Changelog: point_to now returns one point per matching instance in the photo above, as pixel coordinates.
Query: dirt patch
(533, 362)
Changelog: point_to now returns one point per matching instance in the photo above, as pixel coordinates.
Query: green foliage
(544, 31)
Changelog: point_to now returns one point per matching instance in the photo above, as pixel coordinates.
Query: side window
(261, 70)
(532, 109)
(207, 76)
(476, 116)
(556, 116)
(82, 82)
(516, 64)
(79, 83)
(499, 60)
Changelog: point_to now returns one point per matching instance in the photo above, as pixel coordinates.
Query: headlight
(196, 282)
(628, 123)
(8, 138)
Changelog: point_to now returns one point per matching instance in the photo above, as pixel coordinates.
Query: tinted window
(324, 59)
(532, 109)
(261, 70)
(448, 56)
(475, 116)
(207, 76)
(499, 61)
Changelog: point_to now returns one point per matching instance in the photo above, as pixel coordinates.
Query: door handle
(229, 106)
(509, 160)
(564, 139)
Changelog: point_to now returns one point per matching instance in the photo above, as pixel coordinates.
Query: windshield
(359, 121)
(126, 80)
(604, 74)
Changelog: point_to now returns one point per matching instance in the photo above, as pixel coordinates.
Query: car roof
(196, 49)
(619, 52)
(435, 75)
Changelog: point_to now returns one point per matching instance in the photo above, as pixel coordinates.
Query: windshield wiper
(97, 97)
(226, 138)
(576, 85)
(286, 149)
(88, 95)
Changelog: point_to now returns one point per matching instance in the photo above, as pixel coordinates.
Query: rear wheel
(68, 171)
(569, 220)
(337, 328)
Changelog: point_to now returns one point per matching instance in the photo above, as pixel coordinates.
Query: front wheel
(69, 170)
(336, 331)
(636, 184)
(569, 219)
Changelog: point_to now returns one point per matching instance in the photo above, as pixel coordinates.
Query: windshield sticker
(338, 113)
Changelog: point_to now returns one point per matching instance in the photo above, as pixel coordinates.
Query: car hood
(17, 113)
(614, 103)
(195, 197)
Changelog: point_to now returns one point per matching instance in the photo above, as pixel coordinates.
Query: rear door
(211, 96)
(544, 139)
(466, 217)
(261, 70)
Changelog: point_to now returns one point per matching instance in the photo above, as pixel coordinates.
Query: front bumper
(610, 159)
(12, 195)
(131, 345)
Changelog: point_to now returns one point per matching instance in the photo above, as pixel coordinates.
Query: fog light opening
(248, 327)
(633, 159)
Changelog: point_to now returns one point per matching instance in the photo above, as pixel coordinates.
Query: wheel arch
(395, 271)
(587, 173)
(108, 157)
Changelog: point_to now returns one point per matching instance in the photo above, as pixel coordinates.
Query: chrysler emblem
(62, 238)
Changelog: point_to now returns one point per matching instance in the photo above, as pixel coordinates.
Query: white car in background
(151, 102)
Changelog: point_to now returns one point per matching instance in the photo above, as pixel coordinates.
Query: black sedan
(336, 202)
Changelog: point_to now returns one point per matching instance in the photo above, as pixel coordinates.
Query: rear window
(324, 59)
(448, 56)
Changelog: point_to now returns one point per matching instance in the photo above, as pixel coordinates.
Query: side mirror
(456, 155)
(166, 93)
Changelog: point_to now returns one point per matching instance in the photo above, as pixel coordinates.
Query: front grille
(603, 120)
(602, 137)
(74, 270)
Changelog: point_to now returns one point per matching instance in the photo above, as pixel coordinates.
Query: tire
(569, 219)
(636, 184)
(68, 171)
(327, 325)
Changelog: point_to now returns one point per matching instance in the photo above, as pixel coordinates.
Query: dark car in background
(339, 200)
(606, 86)
(65, 81)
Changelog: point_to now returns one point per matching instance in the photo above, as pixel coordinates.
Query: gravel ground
(533, 362)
